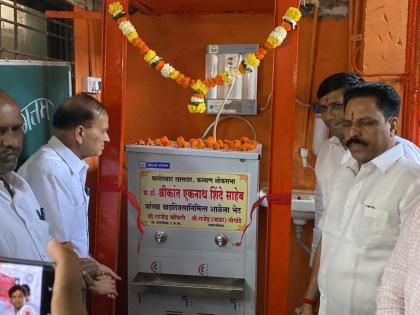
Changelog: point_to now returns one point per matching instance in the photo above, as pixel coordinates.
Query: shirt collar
(383, 162)
(75, 164)
(16, 183)
(334, 141)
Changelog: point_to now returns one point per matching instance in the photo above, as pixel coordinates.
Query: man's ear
(393, 121)
(79, 134)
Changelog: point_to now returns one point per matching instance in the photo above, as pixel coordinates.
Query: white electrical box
(243, 97)
(91, 85)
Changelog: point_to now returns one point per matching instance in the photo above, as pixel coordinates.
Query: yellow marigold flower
(149, 55)
(175, 74)
(132, 36)
(200, 87)
(252, 60)
(273, 41)
(293, 14)
(225, 77)
(197, 109)
(114, 8)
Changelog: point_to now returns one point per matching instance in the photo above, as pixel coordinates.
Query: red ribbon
(282, 199)
(112, 187)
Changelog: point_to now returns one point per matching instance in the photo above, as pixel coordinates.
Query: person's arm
(316, 233)
(390, 297)
(312, 291)
(67, 295)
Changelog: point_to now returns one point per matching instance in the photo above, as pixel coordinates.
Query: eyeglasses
(321, 109)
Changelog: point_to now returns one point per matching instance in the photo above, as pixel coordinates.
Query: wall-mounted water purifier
(242, 99)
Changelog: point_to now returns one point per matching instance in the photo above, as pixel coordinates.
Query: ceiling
(203, 6)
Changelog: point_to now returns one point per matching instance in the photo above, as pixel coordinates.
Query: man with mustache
(332, 155)
(369, 197)
(22, 234)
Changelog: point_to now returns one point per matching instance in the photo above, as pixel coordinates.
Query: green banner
(38, 87)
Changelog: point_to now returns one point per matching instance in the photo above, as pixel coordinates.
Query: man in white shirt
(369, 197)
(332, 155)
(57, 172)
(330, 96)
(22, 233)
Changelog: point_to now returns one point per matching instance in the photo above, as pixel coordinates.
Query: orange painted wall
(157, 106)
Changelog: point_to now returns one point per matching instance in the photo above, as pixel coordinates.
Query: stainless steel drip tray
(156, 283)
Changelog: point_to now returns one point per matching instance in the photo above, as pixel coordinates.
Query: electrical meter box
(195, 206)
(243, 97)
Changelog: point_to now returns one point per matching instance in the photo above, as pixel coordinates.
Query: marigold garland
(200, 87)
(242, 144)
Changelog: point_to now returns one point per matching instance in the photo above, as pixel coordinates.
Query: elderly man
(23, 232)
(57, 172)
(369, 197)
(332, 155)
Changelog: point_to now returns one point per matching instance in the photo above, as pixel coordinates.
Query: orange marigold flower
(160, 65)
(122, 19)
(219, 80)
(186, 82)
(180, 78)
(192, 83)
(286, 26)
(268, 46)
(144, 49)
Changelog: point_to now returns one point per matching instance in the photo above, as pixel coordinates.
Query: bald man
(22, 233)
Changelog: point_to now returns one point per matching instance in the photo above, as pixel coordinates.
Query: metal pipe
(311, 68)
(15, 29)
(411, 104)
(34, 13)
(35, 29)
(19, 53)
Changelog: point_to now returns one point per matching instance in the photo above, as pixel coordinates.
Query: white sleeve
(319, 209)
(390, 297)
(411, 151)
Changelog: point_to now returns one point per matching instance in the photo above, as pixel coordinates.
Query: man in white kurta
(368, 199)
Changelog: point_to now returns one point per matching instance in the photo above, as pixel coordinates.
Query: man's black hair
(27, 289)
(81, 109)
(387, 99)
(17, 287)
(341, 80)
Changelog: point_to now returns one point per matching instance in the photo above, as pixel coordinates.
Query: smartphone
(25, 287)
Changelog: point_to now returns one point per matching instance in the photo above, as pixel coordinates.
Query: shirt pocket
(367, 227)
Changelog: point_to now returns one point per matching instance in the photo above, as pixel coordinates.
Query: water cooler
(195, 205)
